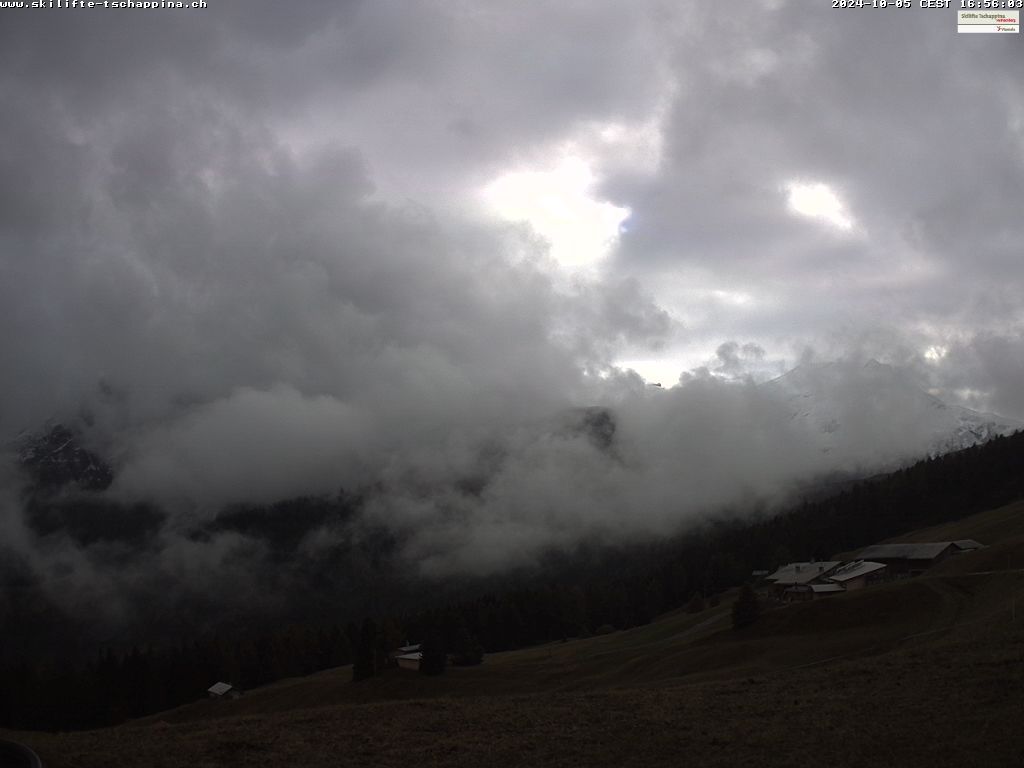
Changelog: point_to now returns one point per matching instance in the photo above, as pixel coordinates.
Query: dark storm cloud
(242, 241)
(241, 320)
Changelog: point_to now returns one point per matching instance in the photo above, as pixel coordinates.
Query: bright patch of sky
(561, 205)
(664, 371)
(557, 191)
(818, 201)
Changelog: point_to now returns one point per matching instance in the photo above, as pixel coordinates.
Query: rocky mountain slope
(836, 400)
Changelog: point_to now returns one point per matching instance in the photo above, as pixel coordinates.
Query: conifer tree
(434, 659)
(466, 649)
(746, 609)
(365, 664)
(696, 604)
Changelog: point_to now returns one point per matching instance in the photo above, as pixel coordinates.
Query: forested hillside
(592, 589)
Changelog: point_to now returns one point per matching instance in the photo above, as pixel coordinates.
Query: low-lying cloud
(242, 251)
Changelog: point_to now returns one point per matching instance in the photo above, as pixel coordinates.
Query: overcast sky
(355, 231)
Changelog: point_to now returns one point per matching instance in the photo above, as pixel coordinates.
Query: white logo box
(986, 21)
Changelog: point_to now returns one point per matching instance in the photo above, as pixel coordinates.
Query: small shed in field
(410, 661)
(223, 691)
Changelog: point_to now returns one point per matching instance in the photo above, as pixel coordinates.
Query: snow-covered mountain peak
(849, 402)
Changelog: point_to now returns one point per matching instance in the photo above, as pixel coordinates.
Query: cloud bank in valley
(252, 246)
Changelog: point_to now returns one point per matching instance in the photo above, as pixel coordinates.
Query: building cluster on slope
(877, 563)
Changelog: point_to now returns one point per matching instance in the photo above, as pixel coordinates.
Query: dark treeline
(114, 687)
(444, 636)
(631, 587)
(592, 590)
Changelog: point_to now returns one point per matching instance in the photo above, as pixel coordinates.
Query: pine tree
(434, 657)
(365, 664)
(746, 609)
(466, 649)
(696, 604)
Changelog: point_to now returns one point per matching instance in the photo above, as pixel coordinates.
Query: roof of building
(816, 588)
(825, 588)
(219, 689)
(969, 544)
(852, 570)
(802, 573)
(928, 551)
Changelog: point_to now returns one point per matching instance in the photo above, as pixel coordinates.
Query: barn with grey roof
(858, 574)
(911, 559)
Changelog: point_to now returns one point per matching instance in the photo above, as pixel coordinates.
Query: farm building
(407, 656)
(968, 545)
(409, 661)
(799, 574)
(223, 691)
(810, 591)
(858, 574)
(909, 559)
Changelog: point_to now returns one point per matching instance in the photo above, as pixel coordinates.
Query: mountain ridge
(826, 396)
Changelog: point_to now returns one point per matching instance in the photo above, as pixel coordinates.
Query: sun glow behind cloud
(559, 203)
(818, 201)
(660, 371)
